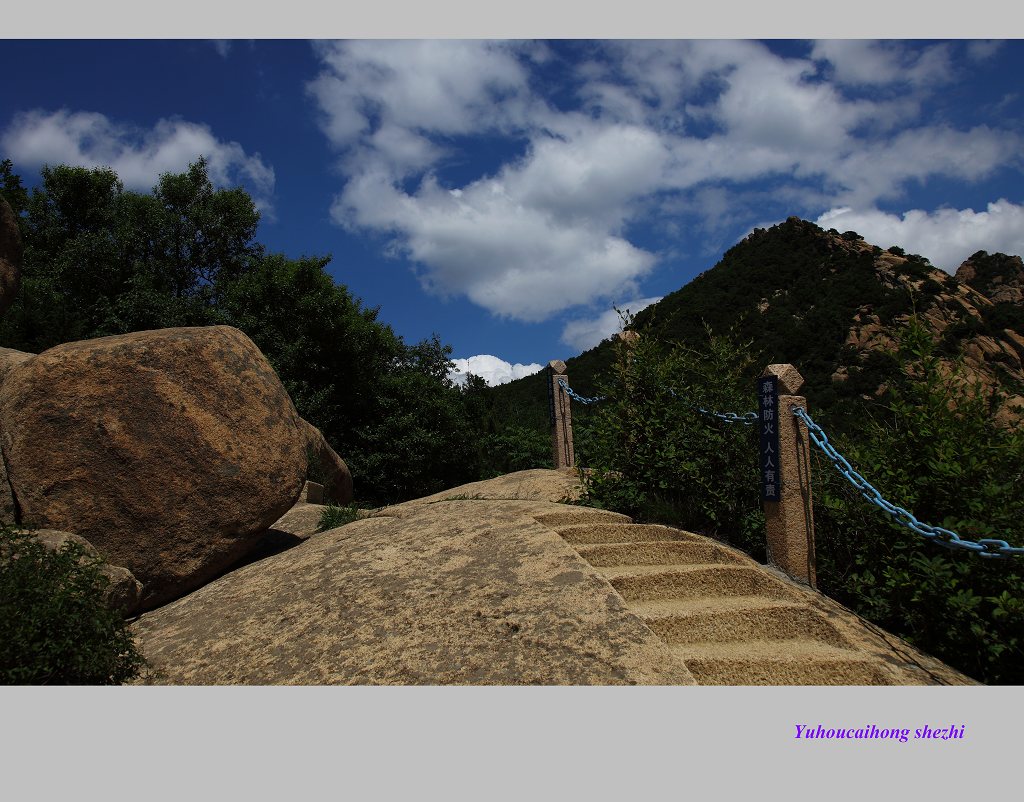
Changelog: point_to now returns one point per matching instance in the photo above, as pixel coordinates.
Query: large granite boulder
(463, 592)
(329, 469)
(10, 255)
(171, 451)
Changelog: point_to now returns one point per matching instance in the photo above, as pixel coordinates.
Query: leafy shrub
(55, 628)
(654, 456)
(515, 448)
(932, 449)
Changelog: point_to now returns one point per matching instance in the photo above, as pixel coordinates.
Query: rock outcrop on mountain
(10, 255)
(170, 451)
(998, 277)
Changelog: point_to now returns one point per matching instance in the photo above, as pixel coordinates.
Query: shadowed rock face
(170, 451)
(10, 256)
(337, 478)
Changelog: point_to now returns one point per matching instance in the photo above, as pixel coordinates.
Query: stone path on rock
(732, 621)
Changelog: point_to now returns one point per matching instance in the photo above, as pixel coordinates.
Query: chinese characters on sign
(768, 413)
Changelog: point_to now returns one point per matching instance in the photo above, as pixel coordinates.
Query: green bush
(333, 516)
(933, 449)
(655, 457)
(55, 627)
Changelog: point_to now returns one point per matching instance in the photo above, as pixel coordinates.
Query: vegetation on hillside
(792, 292)
(932, 448)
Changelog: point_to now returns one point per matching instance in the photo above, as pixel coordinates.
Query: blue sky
(505, 194)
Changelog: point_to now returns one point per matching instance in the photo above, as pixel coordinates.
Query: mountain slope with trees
(829, 303)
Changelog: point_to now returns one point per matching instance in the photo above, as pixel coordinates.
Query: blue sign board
(768, 425)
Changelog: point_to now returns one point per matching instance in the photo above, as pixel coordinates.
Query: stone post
(561, 417)
(790, 520)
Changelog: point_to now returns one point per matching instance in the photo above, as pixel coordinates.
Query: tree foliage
(651, 453)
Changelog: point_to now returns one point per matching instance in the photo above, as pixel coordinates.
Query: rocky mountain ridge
(832, 304)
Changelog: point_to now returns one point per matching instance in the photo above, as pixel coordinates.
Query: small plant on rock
(333, 516)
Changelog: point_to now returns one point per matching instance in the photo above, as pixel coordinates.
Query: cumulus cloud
(946, 236)
(636, 131)
(583, 334)
(137, 155)
(516, 260)
(862, 62)
(491, 369)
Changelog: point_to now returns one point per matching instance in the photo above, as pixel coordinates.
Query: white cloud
(491, 369)
(881, 170)
(862, 62)
(638, 132)
(946, 236)
(983, 49)
(137, 155)
(584, 334)
(445, 86)
(513, 259)
(222, 46)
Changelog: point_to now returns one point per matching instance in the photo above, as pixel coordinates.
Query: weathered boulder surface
(124, 591)
(457, 592)
(171, 451)
(10, 256)
(10, 358)
(327, 465)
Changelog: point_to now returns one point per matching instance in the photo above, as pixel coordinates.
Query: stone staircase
(732, 621)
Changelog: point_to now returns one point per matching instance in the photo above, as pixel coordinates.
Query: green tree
(420, 440)
(205, 236)
(101, 260)
(11, 188)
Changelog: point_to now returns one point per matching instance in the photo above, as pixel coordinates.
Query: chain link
(992, 548)
(577, 397)
(985, 547)
(746, 418)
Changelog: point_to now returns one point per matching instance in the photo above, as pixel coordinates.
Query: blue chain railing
(746, 418)
(577, 397)
(985, 547)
